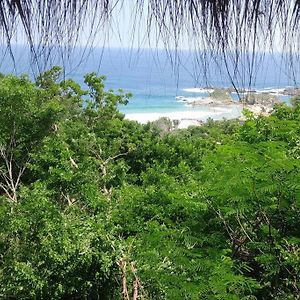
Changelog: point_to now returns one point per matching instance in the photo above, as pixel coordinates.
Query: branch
(122, 265)
(242, 227)
(103, 166)
(11, 183)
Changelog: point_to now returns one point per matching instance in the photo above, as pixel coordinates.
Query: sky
(127, 29)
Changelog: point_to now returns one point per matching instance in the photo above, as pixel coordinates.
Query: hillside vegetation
(94, 206)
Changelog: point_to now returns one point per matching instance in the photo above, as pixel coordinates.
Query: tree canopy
(93, 206)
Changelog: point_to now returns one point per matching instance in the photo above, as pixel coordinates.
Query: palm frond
(222, 26)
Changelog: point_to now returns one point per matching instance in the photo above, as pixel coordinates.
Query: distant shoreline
(278, 91)
(219, 104)
(188, 118)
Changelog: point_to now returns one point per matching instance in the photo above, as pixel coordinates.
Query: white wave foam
(271, 90)
(198, 90)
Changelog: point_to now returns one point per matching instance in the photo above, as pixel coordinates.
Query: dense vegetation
(97, 207)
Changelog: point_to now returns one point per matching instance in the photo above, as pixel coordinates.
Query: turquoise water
(153, 79)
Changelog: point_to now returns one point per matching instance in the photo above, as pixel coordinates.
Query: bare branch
(11, 178)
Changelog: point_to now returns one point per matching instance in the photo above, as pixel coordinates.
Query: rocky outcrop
(292, 91)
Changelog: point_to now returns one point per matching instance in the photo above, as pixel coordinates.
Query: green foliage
(93, 206)
(295, 101)
(162, 125)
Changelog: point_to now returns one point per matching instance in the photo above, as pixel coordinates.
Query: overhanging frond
(238, 26)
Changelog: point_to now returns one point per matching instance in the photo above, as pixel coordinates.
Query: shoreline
(196, 116)
(218, 104)
(186, 118)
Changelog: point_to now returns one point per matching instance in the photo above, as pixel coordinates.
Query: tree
(56, 168)
(95, 206)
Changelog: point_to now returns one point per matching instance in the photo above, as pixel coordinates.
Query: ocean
(157, 78)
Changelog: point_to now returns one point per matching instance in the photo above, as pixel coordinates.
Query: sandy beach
(187, 118)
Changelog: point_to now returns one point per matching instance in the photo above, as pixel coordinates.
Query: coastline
(215, 103)
(186, 118)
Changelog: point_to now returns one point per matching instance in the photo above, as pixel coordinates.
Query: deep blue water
(154, 76)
